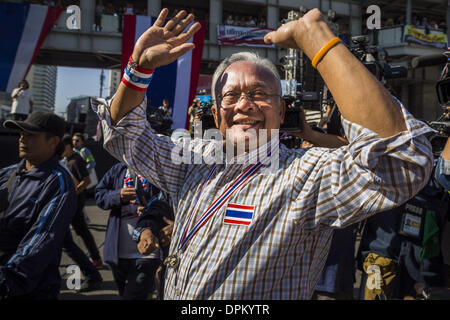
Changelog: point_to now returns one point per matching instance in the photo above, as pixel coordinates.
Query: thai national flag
(176, 81)
(23, 29)
(237, 214)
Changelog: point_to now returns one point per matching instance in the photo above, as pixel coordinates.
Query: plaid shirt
(281, 254)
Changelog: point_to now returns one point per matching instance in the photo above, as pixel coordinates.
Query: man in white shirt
(22, 101)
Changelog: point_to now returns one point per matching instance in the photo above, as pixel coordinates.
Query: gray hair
(243, 56)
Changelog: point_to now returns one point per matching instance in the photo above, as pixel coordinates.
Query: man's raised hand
(309, 33)
(164, 42)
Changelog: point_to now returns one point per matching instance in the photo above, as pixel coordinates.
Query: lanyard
(219, 202)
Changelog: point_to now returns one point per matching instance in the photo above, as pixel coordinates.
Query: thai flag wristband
(136, 77)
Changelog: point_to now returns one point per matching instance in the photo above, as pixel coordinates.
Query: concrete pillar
(87, 8)
(153, 7)
(215, 18)
(408, 11)
(273, 17)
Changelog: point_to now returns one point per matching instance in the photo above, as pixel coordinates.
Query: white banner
(242, 36)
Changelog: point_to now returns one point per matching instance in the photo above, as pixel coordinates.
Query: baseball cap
(39, 121)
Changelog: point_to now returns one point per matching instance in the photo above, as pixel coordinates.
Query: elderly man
(245, 233)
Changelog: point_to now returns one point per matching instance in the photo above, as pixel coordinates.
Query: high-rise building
(114, 81)
(42, 80)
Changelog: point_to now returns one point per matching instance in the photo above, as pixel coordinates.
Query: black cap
(39, 121)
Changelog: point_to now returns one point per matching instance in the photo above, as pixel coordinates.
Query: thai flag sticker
(237, 214)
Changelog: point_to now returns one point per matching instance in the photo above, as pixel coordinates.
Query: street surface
(98, 220)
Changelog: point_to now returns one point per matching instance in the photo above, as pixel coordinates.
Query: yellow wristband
(322, 52)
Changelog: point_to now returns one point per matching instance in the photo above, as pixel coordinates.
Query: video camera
(374, 59)
(292, 117)
(159, 121)
(205, 115)
(443, 85)
(442, 124)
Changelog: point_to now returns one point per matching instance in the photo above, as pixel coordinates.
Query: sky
(73, 82)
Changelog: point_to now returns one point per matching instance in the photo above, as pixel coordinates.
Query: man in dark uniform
(37, 203)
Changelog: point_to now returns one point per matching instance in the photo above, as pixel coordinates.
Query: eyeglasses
(230, 98)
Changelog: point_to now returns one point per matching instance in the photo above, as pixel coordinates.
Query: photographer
(160, 118)
(192, 111)
(165, 109)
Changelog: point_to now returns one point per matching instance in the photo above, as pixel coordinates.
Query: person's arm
(106, 196)
(128, 134)
(160, 45)
(341, 186)
(15, 93)
(389, 157)
(84, 173)
(83, 184)
(44, 240)
(446, 152)
(325, 140)
(165, 235)
(317, 138)
(360, 98)
(153, 221)
(31, 106)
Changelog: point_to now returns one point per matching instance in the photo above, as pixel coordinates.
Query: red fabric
(199, 39)
(128, 39)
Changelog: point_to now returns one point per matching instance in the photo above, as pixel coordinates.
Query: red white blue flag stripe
(239, 214)
(176, 81)
(23, 29)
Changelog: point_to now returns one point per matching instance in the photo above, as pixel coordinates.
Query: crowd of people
(416, 20)
(235, 229)
(245, 21)
(49, 189)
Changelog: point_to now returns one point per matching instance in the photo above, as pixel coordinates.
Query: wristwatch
(137, 233)
(131, 64)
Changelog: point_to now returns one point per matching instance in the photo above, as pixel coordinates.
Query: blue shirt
(39, 208)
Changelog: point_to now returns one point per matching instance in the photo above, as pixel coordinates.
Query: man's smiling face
(264, 111)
